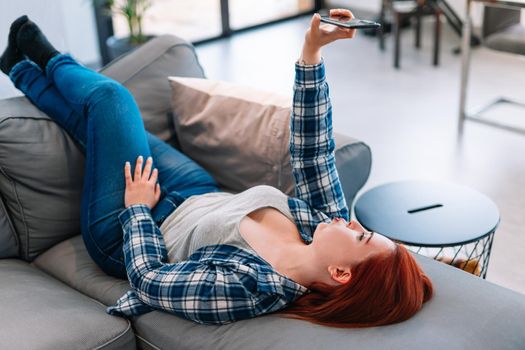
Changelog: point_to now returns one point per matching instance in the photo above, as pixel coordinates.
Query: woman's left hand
(319, 35)
(142, 188)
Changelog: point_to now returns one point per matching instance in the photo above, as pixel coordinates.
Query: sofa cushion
(70, 263)
(144, 73)
(41, 172)
(39, 312)
(8, 238)
(228, 126)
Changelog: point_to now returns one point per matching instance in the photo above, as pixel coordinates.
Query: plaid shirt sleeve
(202, 290)
(312, 148)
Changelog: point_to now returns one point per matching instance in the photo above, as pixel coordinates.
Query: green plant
(133, 11)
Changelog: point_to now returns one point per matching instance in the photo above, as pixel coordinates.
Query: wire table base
(471, 257)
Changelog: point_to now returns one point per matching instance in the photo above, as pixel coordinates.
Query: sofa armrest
(353, 160)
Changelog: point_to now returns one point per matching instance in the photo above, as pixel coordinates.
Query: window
(193, 20)
(245, 13)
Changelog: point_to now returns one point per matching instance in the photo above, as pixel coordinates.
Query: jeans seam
(88, 228)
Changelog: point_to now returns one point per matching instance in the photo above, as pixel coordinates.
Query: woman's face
(348, 244)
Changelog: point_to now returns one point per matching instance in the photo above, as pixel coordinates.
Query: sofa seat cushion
(39, 312)
(70, 263)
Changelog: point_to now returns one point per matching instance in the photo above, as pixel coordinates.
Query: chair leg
(381, 32)
(418, 27)
(437, 37)
(397, 39)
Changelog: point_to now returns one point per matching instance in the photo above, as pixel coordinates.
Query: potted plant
(133, 11)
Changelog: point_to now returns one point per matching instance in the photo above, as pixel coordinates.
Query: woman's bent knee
(109, 91)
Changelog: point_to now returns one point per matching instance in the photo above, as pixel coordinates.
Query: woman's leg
(176, 171)
(29, 78)
(114, 134)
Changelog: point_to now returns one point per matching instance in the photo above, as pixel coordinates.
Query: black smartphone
(353, 23)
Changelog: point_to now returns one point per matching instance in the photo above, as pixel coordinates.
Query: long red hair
(384, 289)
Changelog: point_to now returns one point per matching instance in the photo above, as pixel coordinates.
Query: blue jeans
(103, 119)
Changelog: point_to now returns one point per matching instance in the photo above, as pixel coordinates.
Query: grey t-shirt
(214, 218)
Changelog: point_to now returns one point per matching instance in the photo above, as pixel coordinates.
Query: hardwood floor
(407, 116)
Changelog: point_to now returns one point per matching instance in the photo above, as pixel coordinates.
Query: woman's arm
(205, 290)
(202, 290)
(311, 140)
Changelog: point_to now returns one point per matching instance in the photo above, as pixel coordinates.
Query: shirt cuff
(132, 213)
(309, 75)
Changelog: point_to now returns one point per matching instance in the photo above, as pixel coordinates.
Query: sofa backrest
(41, 171)
(41, 168)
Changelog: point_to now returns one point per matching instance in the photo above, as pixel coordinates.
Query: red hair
(384, 289)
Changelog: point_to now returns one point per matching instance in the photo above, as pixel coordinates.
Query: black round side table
(450, 223)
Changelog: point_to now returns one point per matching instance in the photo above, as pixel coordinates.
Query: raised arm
(311, 141)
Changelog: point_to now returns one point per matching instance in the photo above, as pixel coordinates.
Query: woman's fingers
(346, 33)
(138, 169)
(157, 192)
(341, 13)
(127, 174)
(314, 23)
(147, 169)
(154, 176)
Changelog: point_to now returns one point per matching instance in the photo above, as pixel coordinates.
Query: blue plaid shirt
(221, 283)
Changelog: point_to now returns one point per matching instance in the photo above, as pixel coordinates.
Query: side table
(448, 222)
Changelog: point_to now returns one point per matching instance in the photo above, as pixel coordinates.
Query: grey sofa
(53, 296)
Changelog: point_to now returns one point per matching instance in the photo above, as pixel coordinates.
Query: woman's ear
(340, 274)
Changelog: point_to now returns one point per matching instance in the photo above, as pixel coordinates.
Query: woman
(208, 256)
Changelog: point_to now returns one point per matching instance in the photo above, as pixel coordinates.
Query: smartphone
(353, 23)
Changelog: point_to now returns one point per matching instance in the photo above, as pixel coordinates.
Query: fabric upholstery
(39, 312)
(41, 172)
(70, 263)
(466, 312)
(8, 238)
(228, 126)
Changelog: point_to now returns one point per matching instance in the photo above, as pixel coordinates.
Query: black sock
(34, 44)
(12, 55)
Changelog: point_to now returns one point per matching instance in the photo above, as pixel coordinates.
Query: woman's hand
(319, 35)
(143, 187)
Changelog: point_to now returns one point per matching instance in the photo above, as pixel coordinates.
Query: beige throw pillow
(239, 134)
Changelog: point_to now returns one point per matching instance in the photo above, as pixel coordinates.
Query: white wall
(69, 24)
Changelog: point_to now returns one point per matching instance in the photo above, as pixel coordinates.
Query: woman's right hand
(142, 188)
(319, 35)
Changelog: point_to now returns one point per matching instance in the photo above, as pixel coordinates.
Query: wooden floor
(407, 116)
